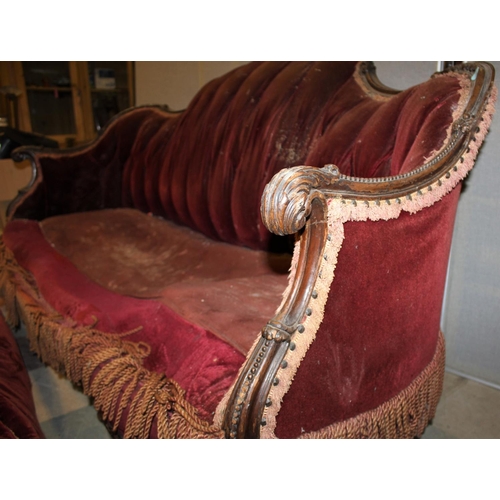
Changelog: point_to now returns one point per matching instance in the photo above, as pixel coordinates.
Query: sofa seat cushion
(184, 324)
(211, 284)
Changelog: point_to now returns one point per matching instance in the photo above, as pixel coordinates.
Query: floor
(467, 410)
(63, 411)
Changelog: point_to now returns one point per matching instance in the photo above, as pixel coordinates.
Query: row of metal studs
(375, 180)
(419, 191)
(291, 347)
(301, 327)
(237, 411)
(314, 295)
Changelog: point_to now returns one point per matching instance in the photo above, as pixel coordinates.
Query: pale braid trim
(339, 213)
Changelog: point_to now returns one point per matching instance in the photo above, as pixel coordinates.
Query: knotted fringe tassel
(108, 368)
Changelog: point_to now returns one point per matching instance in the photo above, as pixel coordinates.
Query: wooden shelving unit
(61, 99)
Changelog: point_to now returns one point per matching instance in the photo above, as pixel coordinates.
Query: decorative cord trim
(107, 367)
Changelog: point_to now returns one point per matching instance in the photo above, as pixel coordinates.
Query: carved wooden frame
(295, 201)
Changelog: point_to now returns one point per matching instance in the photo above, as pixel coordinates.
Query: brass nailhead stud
(276, 381)
(308, 311)
(292, 346)
(398, 201)
(268, 402)
(284, 364)
(263, 422)
(301, 328)
(314, 295)
(408, 197)
(455, 168)
(354, 203)
(448, 175)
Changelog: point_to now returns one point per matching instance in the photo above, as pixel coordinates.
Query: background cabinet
(66, 101)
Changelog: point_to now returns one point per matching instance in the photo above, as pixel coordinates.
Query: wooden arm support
(300, 205)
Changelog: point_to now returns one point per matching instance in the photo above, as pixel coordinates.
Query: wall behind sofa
(175, 83)
(471, 312)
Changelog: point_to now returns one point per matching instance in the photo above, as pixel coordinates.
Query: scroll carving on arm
(292, 202)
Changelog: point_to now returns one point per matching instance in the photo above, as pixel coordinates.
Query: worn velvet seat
(197, 281)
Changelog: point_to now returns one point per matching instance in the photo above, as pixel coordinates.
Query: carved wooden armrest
(290, 203)
(296, 201)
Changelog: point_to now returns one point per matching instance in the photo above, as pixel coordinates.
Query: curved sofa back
(207, 167)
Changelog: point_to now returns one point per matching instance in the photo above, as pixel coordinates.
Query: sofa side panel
(381, 322)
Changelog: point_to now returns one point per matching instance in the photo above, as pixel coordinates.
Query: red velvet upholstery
(206, 169)
(18, 418)
(201, 363)
(381, 325)
(268, 116)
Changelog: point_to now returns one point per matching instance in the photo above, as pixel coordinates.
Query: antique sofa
(269, 262)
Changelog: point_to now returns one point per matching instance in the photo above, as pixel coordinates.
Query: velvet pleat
(206, 168)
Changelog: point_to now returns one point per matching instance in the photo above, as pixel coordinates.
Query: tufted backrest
(207, 167)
